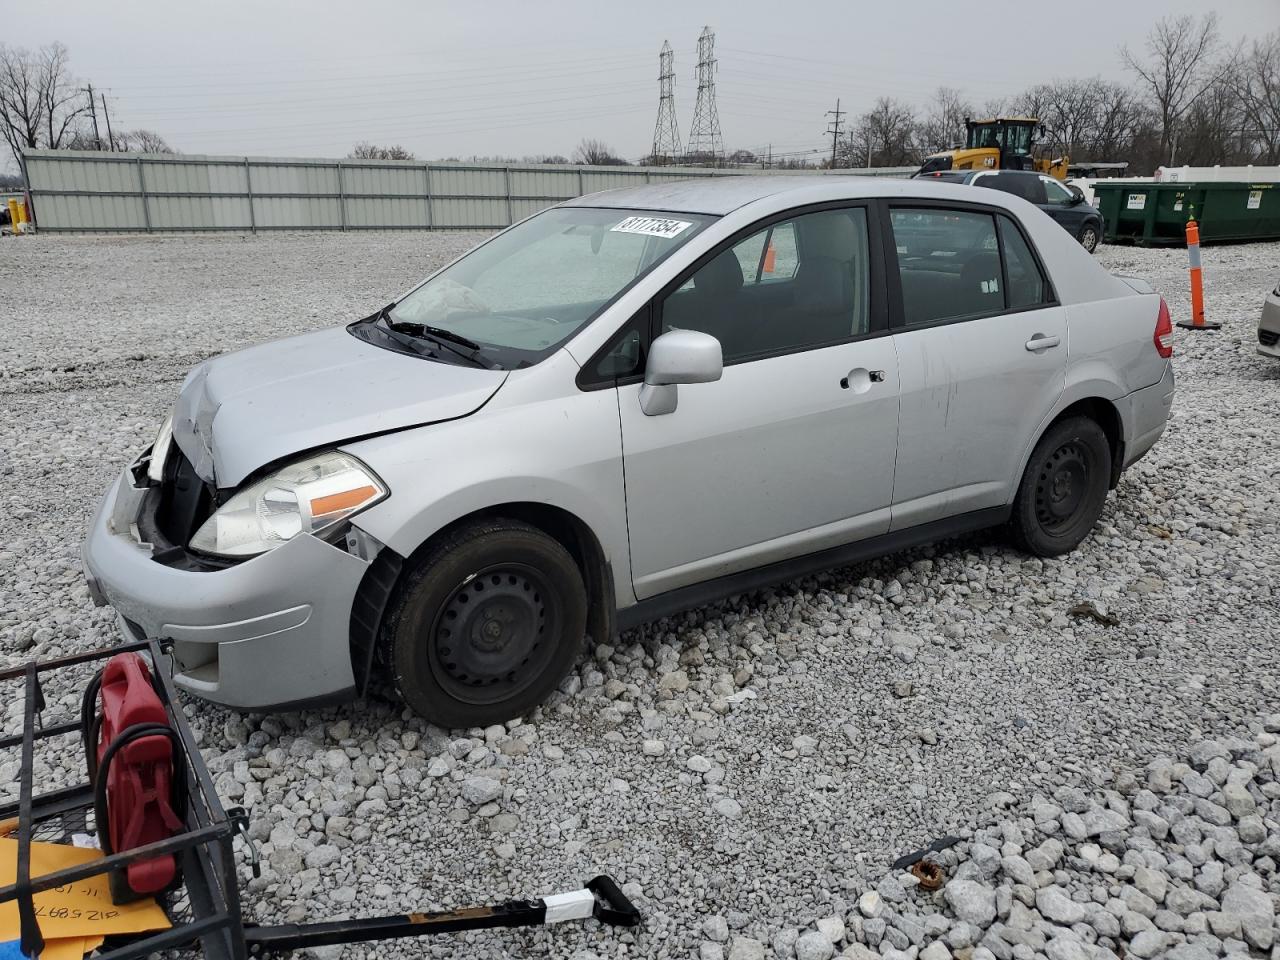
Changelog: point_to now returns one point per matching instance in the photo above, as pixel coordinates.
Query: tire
(485, 625)
(1088, 236)
(1063, 488)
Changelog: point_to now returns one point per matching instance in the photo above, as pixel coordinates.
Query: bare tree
(597, 153)
(21, 106)
(142, 141)
(60, 96)
(943, 125)
(40, 102)
(885, 136)
(1180, 65)
(1258, 87)
(1069, 114)
(1120, 122)
(369, 151)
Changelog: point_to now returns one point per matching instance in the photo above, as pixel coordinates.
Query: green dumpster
(1147, 212)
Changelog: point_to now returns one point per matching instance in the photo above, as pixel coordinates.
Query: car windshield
(519, 296)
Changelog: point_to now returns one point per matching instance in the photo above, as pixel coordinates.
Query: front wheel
(1063, 488)
(1088, 237)
(485, 625)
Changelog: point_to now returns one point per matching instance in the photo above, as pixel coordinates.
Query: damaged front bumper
(270, 631)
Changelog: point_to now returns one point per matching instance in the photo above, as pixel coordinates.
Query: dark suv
(1064, 203)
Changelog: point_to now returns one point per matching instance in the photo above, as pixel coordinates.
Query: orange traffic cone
(1197, 321)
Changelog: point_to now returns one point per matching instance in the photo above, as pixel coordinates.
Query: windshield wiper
(455, 343)
(439, 333)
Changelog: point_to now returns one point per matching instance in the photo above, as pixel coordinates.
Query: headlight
(160, 450)
(305, 497)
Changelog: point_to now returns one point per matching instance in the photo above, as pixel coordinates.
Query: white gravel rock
(746, 948)
(971, 901)
(716, 928)
(929, 740)
(481, 790)
(814, 945)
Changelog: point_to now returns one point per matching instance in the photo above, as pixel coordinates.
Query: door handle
(861, 379)
(1041, 342)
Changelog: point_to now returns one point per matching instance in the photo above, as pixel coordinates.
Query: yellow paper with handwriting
(80, 909)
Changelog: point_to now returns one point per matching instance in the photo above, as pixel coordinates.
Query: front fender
(564, 452)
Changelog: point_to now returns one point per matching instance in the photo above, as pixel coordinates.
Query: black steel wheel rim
(1062, 487)
(495, 633)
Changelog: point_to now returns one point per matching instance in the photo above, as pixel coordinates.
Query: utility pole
(93, 110)
(833, 128)
(111, 140)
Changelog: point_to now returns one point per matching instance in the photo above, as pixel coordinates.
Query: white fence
(91, 191)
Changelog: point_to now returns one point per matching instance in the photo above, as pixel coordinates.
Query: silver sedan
(625, 406)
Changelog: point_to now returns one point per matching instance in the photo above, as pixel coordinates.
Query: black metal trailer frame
(205, 908)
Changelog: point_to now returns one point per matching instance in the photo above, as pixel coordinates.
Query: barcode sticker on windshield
(652, 227)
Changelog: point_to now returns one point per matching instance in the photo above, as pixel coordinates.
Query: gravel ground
(752, 767)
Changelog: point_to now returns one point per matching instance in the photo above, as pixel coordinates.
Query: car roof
(719, 195)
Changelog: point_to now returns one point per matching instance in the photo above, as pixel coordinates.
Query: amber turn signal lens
(341, 501)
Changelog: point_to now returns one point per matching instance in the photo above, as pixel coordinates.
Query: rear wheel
(1088, 237)
(486, 625)
(1063, 489)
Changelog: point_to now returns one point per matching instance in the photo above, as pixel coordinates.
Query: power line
(462, 76)
(705, 140)
(390, 102)
(666, 131)
(152, 71)
(496, 111)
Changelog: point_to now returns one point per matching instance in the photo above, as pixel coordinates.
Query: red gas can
(139, 775)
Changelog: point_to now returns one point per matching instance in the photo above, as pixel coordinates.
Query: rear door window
(960, 264)
(1027, 285)
(948, 262)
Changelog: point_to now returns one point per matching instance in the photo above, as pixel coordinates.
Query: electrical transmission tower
(705, 143)
(666, 132)
(834, 128)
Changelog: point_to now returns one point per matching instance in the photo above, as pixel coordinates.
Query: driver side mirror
(678, 356)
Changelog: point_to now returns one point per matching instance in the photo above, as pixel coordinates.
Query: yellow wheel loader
(1001, 143)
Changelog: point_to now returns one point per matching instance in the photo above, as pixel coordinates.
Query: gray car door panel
(972, 393)
(981, 362)
(792, 450)
(775, 460)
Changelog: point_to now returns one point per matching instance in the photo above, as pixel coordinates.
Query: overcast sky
(514, 79)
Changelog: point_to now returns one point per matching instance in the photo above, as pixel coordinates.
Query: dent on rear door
(973, 397)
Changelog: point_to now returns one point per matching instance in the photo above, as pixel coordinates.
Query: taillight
(1163, 337)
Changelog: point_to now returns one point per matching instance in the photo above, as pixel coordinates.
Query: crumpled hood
(240, 411)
